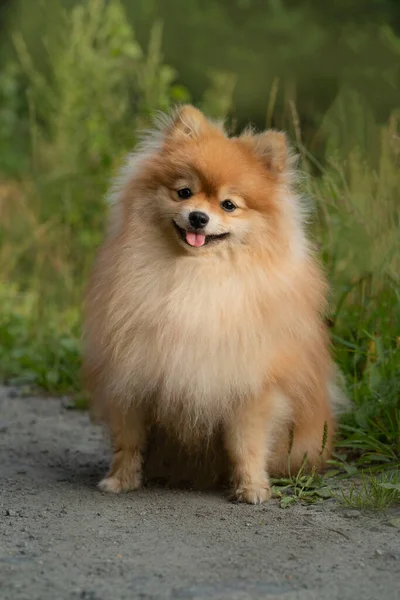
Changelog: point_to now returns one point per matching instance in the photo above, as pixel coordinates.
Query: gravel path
(60, 538)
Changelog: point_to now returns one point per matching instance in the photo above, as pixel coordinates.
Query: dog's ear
(270, 147)
(188, 121)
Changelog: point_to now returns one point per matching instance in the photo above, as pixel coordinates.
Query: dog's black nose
(198, 219)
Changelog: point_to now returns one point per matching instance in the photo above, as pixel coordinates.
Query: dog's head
(207, 190)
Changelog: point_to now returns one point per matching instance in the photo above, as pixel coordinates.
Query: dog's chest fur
(195, 333)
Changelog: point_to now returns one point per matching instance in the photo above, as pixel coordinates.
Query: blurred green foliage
(314, 48)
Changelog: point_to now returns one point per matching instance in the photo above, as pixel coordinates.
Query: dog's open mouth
(196, 239)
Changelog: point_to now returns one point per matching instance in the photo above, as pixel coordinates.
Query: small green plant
(372, 492)
(307, 486)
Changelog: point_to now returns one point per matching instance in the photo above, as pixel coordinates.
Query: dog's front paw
(115, 484)
(252, 493)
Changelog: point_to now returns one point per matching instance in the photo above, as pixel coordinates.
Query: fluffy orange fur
(227, 337)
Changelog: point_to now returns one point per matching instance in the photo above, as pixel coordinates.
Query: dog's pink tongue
(195, 239)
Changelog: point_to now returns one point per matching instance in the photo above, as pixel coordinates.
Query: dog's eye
(185, 193)
(228, 206)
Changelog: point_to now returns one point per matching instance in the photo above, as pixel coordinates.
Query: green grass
(42, 351)
(76, 120)
(371, 492)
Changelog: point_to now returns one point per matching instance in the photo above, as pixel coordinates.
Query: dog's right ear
(270, 148)
(187, 121)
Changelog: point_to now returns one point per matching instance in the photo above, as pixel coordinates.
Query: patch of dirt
(60, 538)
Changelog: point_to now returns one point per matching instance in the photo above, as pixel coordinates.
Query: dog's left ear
(270, 147)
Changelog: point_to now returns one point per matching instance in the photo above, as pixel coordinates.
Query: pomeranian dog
(204, 312)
